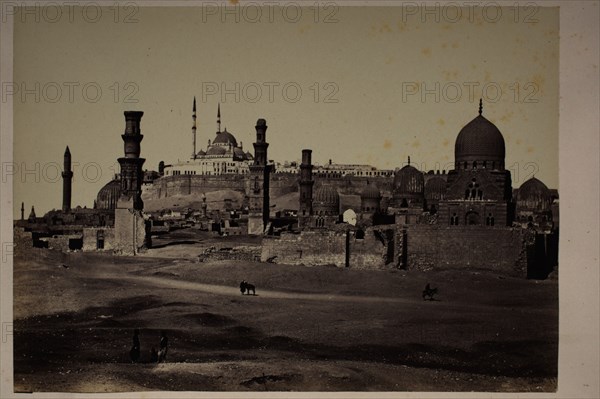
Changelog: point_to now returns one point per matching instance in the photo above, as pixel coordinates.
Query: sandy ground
(307, 329)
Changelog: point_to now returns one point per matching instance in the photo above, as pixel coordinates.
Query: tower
(258, 215)
(67, 176)
(306, 189)
(218, 119)
(194, 127)
(131, 163)
(22, 211)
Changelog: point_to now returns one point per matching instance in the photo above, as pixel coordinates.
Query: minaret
(67, 176)
(131, 164)
(306, 189)
(260, 171)
(22, 211)
(480, 106)
(194, 127)
(219, 118)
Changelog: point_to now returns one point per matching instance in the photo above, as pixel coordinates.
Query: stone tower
(22, 211)
(258, 215)
(132, 231)
(67, 176)
(131, 164)
(306, 189)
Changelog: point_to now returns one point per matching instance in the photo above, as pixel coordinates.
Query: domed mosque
(479, 189)
(222, 156)
(326, 207)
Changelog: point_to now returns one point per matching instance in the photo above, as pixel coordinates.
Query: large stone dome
(533, 195)
(225, 137)
(479, 145)
(109, 195)
(408, 180)
(326, 201)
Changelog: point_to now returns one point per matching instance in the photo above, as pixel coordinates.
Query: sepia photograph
(310, 197)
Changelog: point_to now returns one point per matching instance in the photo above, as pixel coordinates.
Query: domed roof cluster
(408, 180)
(480, 140)
(109, 195)
(534, 195)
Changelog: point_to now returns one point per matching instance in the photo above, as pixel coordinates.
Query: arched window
(484, 164)
(474, 164)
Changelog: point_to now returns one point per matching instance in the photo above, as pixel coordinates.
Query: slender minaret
(194, 127)
(219, 118)
(306, 189)
(22, 211)
(67, 176)
(131, 164)
(260, 171)
(480, 106)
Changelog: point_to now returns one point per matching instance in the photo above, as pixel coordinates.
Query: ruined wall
(22, 239)
(90, 238)
(129, 232)
(435, 246)
(324, 247)
(244, 253)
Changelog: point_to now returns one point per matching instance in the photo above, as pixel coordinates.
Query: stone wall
(90, 238)
(280, 184)
(325, 247)
(129, 232)
(492, 248)
(244, 253)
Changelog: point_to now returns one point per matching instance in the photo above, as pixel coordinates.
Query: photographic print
(284, 196)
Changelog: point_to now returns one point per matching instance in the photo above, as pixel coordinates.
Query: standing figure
(164, 346)
(134, 353)
(243, 287)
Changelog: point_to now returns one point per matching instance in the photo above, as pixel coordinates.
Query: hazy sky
(377, 85)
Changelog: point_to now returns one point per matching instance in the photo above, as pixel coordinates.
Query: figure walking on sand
(134, 353)
(164, 346)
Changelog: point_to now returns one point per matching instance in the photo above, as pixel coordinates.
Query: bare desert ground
(307, 328)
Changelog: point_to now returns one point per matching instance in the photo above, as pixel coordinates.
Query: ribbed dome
(249, 155)
(216, 151)
(370, 192)
(327, 200)
(109, 195)
(435, 189)
(534, 195)
(225, 137)
(201, 152)
(480, 141)
(408, 180)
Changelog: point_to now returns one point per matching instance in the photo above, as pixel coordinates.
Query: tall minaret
(306, 189)
(219, 118)
(194, 127)
(131, 164)
(67, 176)
(260, 171)
(22, 211)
